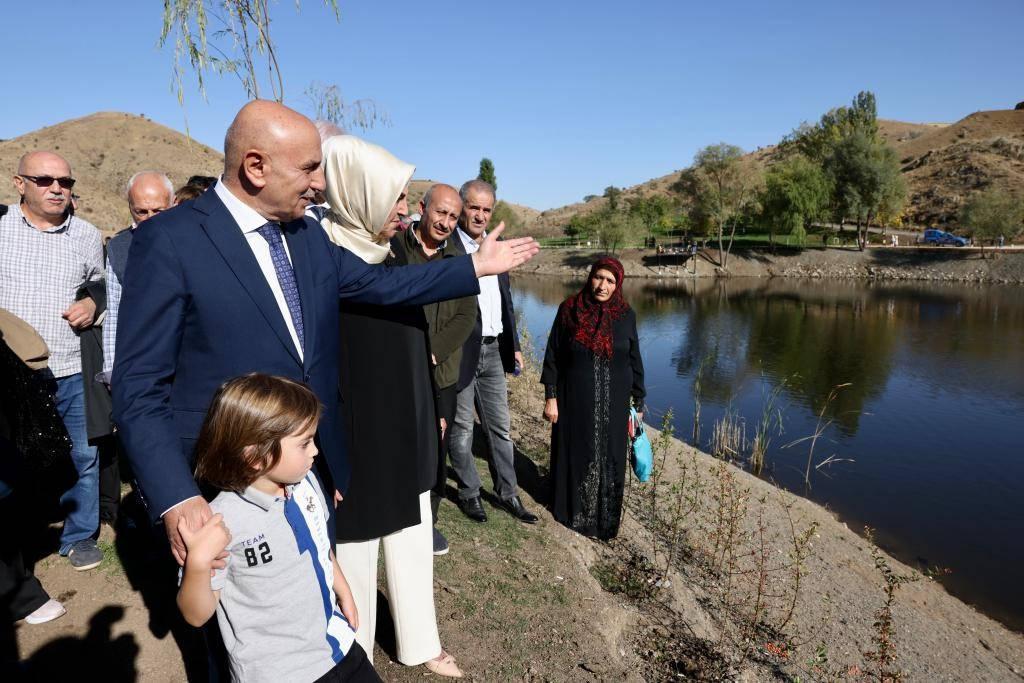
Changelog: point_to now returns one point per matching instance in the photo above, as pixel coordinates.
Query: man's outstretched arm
(420, 284)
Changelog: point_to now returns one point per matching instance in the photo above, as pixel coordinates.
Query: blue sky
(565, 97)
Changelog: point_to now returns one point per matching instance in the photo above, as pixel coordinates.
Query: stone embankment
(877, 263)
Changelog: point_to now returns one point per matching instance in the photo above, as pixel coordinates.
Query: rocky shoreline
(876, 263)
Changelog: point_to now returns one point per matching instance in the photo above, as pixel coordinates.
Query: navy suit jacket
(197, 311)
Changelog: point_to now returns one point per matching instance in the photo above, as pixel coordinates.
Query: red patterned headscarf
(590, 321)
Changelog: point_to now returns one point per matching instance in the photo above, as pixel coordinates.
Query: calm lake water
(928, 438)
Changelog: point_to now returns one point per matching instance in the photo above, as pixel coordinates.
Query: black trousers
(21, 594)
(447, 400)
(109, 448)
(355, 668)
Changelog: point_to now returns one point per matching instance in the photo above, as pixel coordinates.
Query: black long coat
(588, 443)
(387, 408)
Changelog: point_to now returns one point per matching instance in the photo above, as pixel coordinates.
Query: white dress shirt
(489, 298)
(249, 221)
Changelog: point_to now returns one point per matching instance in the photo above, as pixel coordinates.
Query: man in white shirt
(491, 351)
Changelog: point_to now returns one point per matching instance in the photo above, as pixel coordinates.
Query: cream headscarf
(363, 183)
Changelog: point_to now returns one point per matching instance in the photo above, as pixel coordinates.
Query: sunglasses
(47, 180)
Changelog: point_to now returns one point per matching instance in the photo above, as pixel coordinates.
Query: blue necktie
(285, 277)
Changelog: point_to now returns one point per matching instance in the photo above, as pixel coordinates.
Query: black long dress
(387, 404)
(588, 443)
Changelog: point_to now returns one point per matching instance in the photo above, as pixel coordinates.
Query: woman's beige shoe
(444, 665)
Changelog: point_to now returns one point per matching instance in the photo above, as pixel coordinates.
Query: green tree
(865, 175)
(993, 213)
(720, 186)
(817, 141)
(504, 213)
(486, 173)
(614, 228)
(580, 226)
(796, 192)
(612, 194)
(234, 37)
(652, 213)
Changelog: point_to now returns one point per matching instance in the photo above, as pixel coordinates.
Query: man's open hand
(500, 256)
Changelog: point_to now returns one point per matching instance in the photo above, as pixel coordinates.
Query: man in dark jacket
(449, 322)
(491, 350)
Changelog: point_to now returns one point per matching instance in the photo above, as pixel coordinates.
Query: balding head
(45, 203)
(439, 209)
(327, 129)
(149, 193)
(33, 163)
(272, 160)
(438, 191)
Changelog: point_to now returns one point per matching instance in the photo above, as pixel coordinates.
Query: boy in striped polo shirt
(283, 606)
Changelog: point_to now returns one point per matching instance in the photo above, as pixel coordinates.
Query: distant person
(46, 253)
(203, 182)
(326, 129)
(449, 322)
(1002, 241)
(592, 371)
(283, 606)
(187, 193)
(490, 352)
(149, 193)
(387, 404)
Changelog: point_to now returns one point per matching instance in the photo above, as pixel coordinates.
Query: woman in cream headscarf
(388, 410)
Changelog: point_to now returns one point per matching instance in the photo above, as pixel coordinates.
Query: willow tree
(234, 37)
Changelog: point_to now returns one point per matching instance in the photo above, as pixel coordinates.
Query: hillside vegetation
(942, 164)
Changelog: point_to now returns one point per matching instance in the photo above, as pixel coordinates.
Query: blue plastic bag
(642, 455)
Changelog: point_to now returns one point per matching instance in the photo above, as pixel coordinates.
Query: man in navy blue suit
(238, 281)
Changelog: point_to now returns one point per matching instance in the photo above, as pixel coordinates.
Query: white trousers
(409, 570)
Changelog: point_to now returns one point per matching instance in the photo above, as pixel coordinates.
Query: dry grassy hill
(104, 150)
(942, 163)
(945, 165)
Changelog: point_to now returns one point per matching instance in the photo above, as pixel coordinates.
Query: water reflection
(929, 427)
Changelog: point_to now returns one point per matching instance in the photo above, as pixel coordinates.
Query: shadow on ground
(151, 570)
(96, 652)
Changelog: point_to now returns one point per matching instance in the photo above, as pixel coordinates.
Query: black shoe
(473, 508)
(516, 509)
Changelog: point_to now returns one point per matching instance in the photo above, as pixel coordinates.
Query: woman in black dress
(592, 368)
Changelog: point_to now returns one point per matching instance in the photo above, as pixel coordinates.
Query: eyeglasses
(47, 180)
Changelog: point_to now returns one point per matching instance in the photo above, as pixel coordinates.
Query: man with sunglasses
(46, 254)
